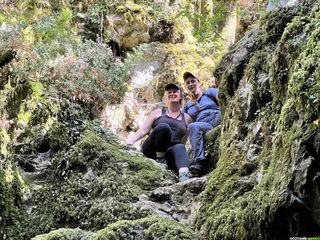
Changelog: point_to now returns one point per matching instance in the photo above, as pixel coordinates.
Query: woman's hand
(130, 147)
(145, 128)
(127, 145)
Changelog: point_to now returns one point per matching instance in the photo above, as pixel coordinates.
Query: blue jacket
(205, 108)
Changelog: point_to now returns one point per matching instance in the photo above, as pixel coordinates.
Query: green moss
(230, 214)
(304, 86)
(147, 228)
(4, 141)
(189, 58)
(95, 184)
(237, 205)
(11, 195)
(65, 234)
(133, 12)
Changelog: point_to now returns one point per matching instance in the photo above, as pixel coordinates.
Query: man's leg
(196, 134)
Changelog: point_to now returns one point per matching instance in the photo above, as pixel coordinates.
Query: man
(204, 109)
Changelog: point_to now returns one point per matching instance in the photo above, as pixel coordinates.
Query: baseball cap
(187, 75)
(172, 86)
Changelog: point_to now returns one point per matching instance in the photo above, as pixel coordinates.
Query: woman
(166, 142)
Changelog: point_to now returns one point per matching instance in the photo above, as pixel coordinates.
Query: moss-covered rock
(171, 61)
(146, 228)
(11, 194)
(269, 90)
(94, 184)
(128, 26)
(65, 234)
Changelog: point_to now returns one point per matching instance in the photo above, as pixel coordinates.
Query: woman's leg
(178, 158)
(158, 141)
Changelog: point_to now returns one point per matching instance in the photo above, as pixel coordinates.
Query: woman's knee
(161, 137)
(179, 147)
(180, 155)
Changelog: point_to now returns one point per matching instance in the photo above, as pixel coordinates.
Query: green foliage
(80, 72)
(90, 75)
(99, 9)
(50, 28)
(206, 24)
(2, 17)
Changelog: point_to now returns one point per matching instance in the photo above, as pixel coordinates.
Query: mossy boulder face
(168, 63)
(129, 25)
(7, 53)
(94, 183)
(65, 234)
(146, 228)
(266, 183)
(11, 194)
(212, 146)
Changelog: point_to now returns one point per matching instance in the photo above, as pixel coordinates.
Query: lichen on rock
(269, 103)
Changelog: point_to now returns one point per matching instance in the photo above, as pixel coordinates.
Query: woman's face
(173, 95)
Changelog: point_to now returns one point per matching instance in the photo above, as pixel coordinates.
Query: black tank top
(178, 127)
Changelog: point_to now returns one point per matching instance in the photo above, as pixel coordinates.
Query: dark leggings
(160, 141)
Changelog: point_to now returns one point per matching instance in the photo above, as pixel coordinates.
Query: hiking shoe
(200, 168)
(184, 176)
(193, 162)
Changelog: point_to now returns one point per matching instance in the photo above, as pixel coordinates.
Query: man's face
(192, 84)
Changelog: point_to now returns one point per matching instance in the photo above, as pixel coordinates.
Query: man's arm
(213, 94)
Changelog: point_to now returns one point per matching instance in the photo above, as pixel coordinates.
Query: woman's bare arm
(145, 127)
